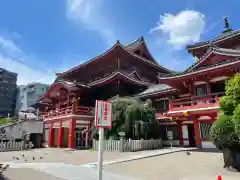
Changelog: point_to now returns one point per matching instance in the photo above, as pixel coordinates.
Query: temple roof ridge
(117, 44)
(227, 33)
(217, 50)
(135, 43)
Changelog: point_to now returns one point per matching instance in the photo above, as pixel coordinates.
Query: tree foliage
(226, 130)
(5, 121)
(132, 116)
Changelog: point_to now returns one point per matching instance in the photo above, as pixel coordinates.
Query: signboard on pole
(103, 119)
(103, 114)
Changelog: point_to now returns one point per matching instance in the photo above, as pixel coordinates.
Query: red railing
(194, 101)
(70, 110)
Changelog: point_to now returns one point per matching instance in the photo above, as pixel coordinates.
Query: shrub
(223, 134)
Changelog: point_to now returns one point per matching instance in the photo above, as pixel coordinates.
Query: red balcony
(70, 110)
(195, 102)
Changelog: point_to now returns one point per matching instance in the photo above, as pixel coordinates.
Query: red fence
(70, 110)
(194, 101)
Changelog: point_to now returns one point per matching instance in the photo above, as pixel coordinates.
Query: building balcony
(68, 112)
(195, 103)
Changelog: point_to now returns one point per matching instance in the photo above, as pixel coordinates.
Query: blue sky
(40, 38)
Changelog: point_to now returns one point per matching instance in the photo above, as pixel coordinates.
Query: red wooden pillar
(71, 139)
(51, 136)
(197, 132)
(60, 134)
(180, 134)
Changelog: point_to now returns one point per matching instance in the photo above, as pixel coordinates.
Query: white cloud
(13, 59)
(91, 14)
(183, 28)
(25, 73)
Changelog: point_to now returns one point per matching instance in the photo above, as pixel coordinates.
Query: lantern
(186, 113)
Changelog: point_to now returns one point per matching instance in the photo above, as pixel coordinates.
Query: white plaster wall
(17, 130)
(186, 142)
(184, 131)
(207, 144)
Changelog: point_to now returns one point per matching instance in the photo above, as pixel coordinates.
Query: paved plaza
(59, 164)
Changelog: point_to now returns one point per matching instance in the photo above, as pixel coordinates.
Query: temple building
(121, 70)
(186, 103)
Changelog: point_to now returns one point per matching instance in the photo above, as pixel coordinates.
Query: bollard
(219, 178)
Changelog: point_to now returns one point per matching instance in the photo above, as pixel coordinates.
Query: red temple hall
(186, 103)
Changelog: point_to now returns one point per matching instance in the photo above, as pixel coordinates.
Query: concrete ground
(176, 166)
(27, 174)
(62, 164)
(55, 155)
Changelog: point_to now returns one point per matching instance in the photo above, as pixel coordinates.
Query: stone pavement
(62, 169)
(68, 172)
(144, 154)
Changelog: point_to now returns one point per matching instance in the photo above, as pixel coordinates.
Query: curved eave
(207, 43)
(141, 42)
(118, 44)
(199, 71)
(116, 76)
(217, 51)
(71, 86)
(155, 93)
(145, 60)
(150, 54)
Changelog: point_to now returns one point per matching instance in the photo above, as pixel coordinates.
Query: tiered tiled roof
(228, 33)
(155, 89)
(128, 49)
(140, 42)
(202, 68)
(214, 50)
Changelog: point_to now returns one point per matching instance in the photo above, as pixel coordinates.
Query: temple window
(161, 105)
(201, 90)
(205, 128)
(217, 87)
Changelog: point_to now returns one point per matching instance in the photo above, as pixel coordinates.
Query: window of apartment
(163, 104)
(201, 90)
(205, 129)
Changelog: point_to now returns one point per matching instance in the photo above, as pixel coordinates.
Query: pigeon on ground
(188, 153)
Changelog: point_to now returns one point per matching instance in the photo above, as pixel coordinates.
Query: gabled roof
(137, 44)
(63, 84)
(155, 89)
(121, 74)
(227, 33)
(217, 40)
(221, 64)
(117, 45)
(215, 50)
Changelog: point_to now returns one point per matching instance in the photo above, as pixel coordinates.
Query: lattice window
(205, 130)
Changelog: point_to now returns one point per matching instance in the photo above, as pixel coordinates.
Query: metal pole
(100, 153)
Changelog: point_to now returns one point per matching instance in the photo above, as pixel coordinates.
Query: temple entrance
(80, 139)
(191, 135)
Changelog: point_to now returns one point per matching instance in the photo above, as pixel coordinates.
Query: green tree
(225, 131)
(5, 121)
(132, 116)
